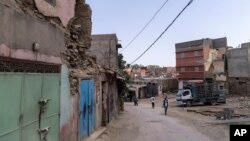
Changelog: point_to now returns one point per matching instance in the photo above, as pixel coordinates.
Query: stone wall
(238, 62)
(239, 86)
(104, 49)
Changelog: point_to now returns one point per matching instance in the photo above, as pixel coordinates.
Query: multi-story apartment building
(195, 60)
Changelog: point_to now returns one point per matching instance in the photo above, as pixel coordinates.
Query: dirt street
(142, 123)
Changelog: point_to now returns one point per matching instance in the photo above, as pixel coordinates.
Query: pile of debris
(242, 103)
(224, 114)
(78, 40)
(227, 113)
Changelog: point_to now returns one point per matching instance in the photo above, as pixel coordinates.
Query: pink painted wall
(25, 54)
(64, 9)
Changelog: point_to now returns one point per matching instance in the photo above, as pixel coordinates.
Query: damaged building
(104, 49)
(201, 61)
(46, 74)
(238, 65)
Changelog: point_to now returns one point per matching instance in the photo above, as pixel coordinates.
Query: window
(242, 83)
(182, 69)
(182, 55)
(196, 53)
(51, 2)
(196, 69)
(186, 93)
(221, 87)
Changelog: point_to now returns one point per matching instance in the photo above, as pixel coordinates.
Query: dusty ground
(135, 122)
(142, 123)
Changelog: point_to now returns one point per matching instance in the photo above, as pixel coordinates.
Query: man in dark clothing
(135, 101)
(165, 105)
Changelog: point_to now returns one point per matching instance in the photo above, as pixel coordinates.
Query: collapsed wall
(72, 18)
(77, 31)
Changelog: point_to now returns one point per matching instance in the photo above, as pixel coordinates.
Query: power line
(163, 31)
(145, 26)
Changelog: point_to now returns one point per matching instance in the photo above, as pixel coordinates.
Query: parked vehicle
(194, 94)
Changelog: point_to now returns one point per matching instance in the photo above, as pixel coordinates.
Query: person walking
(135, 101)
(152, 99)
(165, 105)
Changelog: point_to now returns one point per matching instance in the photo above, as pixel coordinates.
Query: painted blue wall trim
(66, 106)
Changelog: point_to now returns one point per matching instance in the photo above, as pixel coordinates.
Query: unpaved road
(142, 123)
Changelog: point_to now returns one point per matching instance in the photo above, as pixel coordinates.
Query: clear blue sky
(203, 19)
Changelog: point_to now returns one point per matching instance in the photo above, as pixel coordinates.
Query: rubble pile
(242, 103)
(82, 24)
(78, 40)
(226, 114)
(222, 114)
(79, 65)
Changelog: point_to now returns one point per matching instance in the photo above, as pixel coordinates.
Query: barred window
(15, 65)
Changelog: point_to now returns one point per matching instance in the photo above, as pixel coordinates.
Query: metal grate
(15, 65)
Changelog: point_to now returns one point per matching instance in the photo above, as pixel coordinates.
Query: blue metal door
(91, 106)
(86, 108)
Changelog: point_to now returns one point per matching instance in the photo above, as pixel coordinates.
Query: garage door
(29, 106)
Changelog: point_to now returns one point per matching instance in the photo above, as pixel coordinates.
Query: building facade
(104, 48)
(200, 60)
(238, 65)
(46, 77)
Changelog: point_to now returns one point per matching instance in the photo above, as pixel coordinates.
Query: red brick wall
(190, 64)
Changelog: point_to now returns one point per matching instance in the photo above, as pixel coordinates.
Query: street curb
(96, 134)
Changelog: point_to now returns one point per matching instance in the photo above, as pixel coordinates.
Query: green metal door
(23, 117)
(31, 93)
(10, 95)
(50, 117)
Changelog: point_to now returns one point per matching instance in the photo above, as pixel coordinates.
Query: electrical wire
(145, 26)
(163, 32)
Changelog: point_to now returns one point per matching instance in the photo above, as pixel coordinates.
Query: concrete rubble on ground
(236, 107)
(222, 114)
(241, 102)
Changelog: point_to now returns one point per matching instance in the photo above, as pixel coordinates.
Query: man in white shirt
(152, 99)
